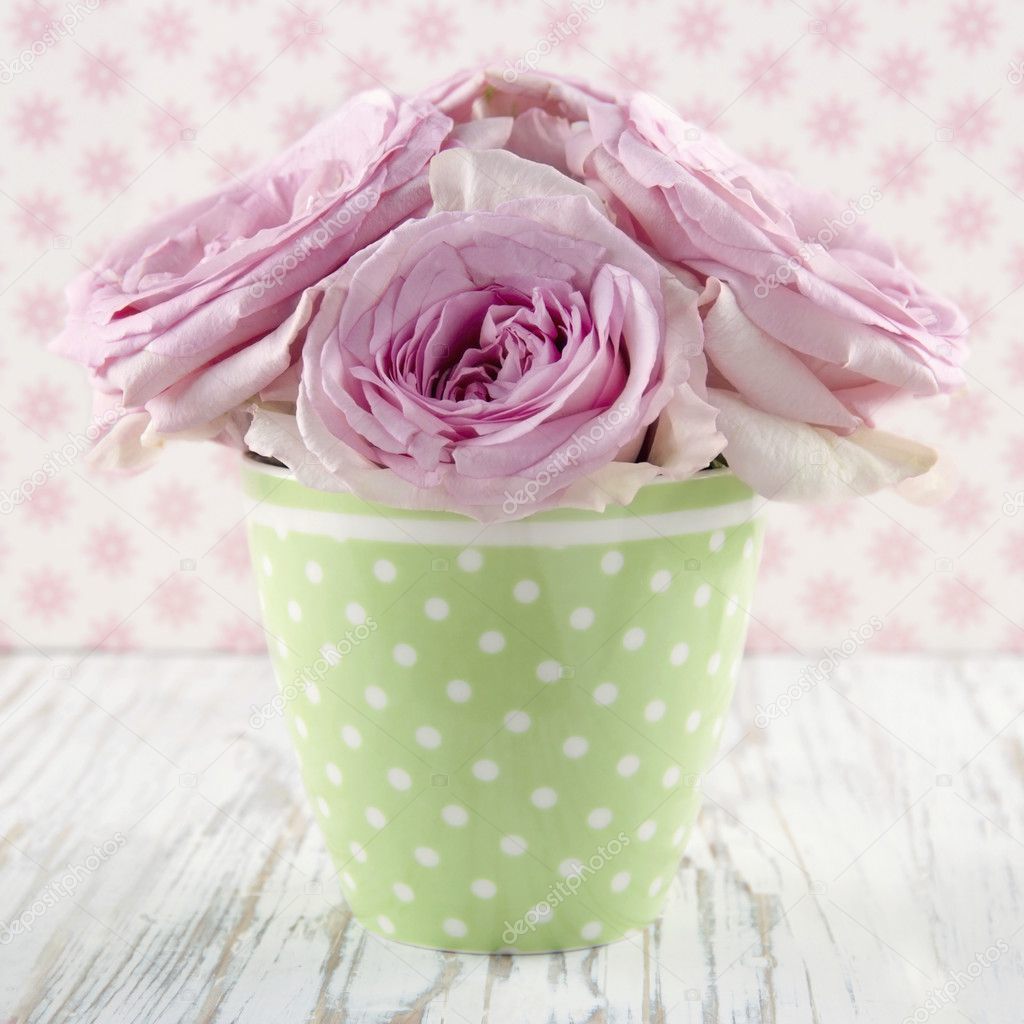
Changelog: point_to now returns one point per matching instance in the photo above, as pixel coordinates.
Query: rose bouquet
(526, 349)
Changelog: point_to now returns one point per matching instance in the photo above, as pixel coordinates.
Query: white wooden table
(853, 857)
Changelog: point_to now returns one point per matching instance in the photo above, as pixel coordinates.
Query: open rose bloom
(495, 298)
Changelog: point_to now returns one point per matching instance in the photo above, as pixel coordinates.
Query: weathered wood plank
(855, 854)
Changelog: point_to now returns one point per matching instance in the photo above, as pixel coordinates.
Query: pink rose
(197, 312)
(507, 352)
(811, 322)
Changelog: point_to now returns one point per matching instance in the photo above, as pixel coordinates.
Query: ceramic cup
(502, 729)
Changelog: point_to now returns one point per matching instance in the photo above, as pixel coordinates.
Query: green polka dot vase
(502, 729)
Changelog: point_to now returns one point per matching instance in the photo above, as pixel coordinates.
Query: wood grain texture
(853, 856)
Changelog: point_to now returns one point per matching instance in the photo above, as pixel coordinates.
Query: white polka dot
(455, 815)
(300, 727)
(679, 835)
(348, 880)
(426, 856)
(483, 888)
(514, 846)
(599, 817)
(470, 560)
(606, 694)
(612, 562)
(405, 655)
(314, 572)
(575, 746)
(517, 721)
(544, 798)
(375, 697)
(403, 892)
(459, 690)
(358, 852)
(634, 639)
(655, 887)
(355, 613)
(693, 721)
(385, 571)
(399, 778)
(485, 770)
(542, 911)
(385, 925)
(628, 765)
(312, 693)
(581, 618)
(333, 773)
(375, 817)
(492, 642)
(268, 566)
(436, 608)
(282, 648)
(655, 711)
(661, 581)
(294, 611)
(526, 591)
(323, 806)
(570, 866)
(351, 735)
(646, 830)
(591, 930)
(427, 736)
(732, 606)
(281, 531)
(620, 881)
(717, 540)
(716, 729)
(714, 663)
(679, 654)
(454, 927)
(671, 777)
(748, 548)
(549, 671)
(702, 596)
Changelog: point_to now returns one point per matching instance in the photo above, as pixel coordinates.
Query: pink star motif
(702, 112)
(836, 24)
(1013, 553)
(29, 21)
(431, 28)
(904, 70)
(972, 25)
(700, 28)
(979, 310)
(38, 121)
(1017, 171)
(43, 406)
(895, 553)
(40, 311)
(166, 126)
(179, 600)
(769, 74)
(896, 635)
(110, 550)
(636, 67)
(46, 594)
(170, 32)
(1015, 264)
(828, 518)
(775, 554)
(826, 599)
(1013, 642)
(301, 31)
(49, 504)
(973, 122)
(835, 124)
(232, 552)
(1015, 366)
(902, 169)
(102, 75)
(957, 603)
(969, 413)
(111, 634)
(104, 169)
(174, 507)
(242, 636)
(1014, 457)
(968, 221)
(295, 119)
(367, 70)
(41, 216)
(233, 76)
(967, 509)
